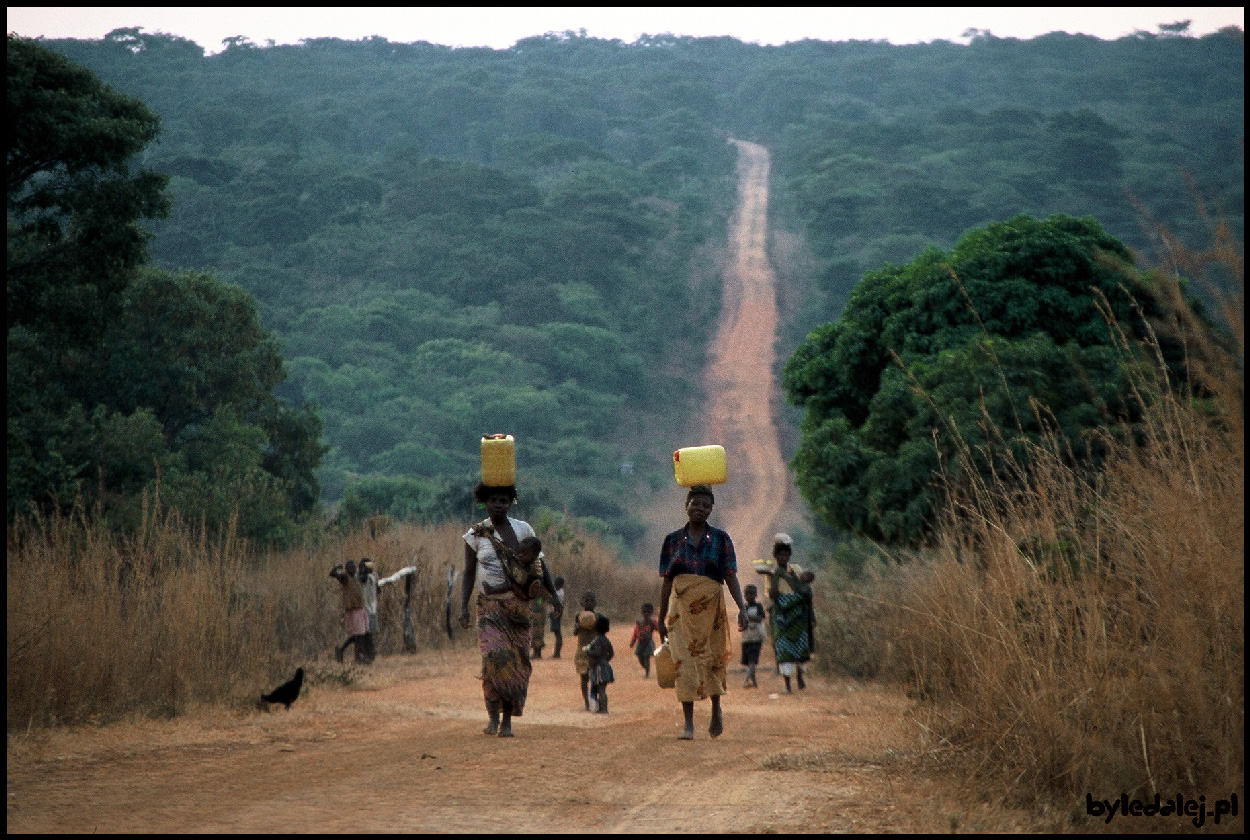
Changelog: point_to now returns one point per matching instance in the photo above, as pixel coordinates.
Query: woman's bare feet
(687, 712)
(505, 726)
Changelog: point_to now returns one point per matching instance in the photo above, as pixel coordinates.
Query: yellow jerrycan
(700, 465)
(498, 460)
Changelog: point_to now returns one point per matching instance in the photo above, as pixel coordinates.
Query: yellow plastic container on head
(700, 465)
(498, 460)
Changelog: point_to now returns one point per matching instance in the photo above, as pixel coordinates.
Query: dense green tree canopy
(122, 376)
(451, 241)
(1002, 336)
(74, 243)
(74, 201)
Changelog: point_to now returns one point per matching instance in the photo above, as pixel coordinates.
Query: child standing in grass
(643, 640)
(369, 589)
(355, 619)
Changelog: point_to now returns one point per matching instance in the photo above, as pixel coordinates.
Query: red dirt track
(739, 380)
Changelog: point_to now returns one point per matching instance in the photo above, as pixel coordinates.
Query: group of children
(594, 649)
(595, 652)
(360, 588)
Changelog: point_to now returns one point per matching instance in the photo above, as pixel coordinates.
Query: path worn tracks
(739, 382)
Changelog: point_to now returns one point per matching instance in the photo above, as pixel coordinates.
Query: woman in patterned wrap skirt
(695, 561)
(503, 614)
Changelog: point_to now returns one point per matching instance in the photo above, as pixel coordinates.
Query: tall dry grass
(99, 624)
(102, 626)
(586, 564)
(1084, 633)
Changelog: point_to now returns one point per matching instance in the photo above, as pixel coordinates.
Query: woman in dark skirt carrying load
(790, 588)
(694, 562)
(504, 586)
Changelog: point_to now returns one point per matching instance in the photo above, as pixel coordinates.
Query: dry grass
(586, 564)
(1086, 633)
(102, 626)
(1072, 632)
(855, 627)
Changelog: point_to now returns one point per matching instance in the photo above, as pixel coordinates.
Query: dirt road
(399, 746)
(739, 381)
(403, 750)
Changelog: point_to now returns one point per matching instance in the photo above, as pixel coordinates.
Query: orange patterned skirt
(698, 636)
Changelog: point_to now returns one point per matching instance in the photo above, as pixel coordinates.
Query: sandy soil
(402, 749)
(399, 746)
(739, 380)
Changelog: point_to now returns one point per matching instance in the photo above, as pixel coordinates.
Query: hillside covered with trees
(446, 242)
(127, 382)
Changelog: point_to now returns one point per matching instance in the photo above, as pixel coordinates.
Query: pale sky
(500, 28)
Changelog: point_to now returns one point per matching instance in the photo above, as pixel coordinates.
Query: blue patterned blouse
(712, 558)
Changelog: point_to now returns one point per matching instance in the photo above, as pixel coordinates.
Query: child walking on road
(584, 628)
(599, 653)
(643, 640)
(753, 636)
(555, 619)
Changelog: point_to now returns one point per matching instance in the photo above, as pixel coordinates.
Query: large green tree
(190, 351)
(120, 375)
(75, 199)
(973, 351)
(75, 204)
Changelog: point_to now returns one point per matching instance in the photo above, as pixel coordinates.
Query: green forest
(365, 254)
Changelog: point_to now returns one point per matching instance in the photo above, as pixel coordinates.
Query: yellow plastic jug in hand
(665, 667)
(498, 460)
(700, 465)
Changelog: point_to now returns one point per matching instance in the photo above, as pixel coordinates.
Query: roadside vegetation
(449, 242)
(1072, 630)
(101, 626)
(1026, 456)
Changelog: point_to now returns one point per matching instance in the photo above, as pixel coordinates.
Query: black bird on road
(285, 693)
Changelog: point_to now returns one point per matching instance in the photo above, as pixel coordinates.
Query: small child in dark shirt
(599, 652)
(643, 640)
(584, 630)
